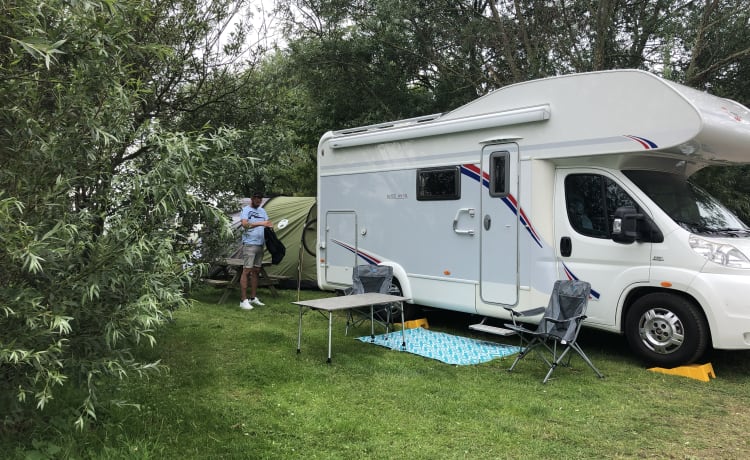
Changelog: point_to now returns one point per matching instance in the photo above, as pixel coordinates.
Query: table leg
(372, 323)
(234, 281)
(403, 328)
(330, 327)
(299, 330)
(263, 274)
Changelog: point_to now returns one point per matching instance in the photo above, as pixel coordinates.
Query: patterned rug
(444, 347)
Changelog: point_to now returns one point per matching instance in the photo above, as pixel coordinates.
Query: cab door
(499, 225)
(585, 202)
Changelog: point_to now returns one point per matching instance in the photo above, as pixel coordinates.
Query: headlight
(719, 253)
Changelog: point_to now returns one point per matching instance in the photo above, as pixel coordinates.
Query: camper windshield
(691, 207)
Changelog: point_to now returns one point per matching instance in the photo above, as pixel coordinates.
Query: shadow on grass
(731, 364)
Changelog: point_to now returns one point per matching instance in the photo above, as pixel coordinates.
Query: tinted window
(438, 184)
(591, 201)
(499, 174)
(691, 207)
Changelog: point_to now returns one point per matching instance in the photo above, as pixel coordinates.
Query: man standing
(254, 220)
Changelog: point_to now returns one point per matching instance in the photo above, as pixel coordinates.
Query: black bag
(274, 246)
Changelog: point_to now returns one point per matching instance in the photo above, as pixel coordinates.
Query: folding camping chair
(559, 327)
(370, 278)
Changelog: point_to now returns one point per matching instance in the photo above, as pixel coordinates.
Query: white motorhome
(575, 177)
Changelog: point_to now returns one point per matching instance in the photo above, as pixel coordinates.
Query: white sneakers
(247, 303)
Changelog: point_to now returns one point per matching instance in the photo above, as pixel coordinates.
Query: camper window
(591, 201)
(438, 183)
(688, 205)
(499, 174)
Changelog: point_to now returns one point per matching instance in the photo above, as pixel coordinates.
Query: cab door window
(591, 201)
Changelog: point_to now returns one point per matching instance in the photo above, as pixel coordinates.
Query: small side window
(499, 174)
(442, 183)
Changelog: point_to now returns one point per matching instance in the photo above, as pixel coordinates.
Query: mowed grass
(237, 389)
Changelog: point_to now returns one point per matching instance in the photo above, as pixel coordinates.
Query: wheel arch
(411, 310)
(639, 292)
(399, 274)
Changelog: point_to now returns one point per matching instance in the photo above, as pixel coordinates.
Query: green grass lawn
(237, 389)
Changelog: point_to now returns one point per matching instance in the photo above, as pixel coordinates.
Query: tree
(99, 190)
(713, 53)
(273, 113)
(371, 62)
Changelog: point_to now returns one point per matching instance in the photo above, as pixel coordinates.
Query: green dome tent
(294, 221)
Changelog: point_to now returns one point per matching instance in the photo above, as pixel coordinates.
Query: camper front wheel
(666, 330)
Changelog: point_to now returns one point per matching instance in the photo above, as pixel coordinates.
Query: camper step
(491, 329)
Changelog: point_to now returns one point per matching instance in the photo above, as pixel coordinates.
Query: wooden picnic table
(234, 265)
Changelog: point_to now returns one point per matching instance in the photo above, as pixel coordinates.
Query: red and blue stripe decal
(363, 255)
(572, 276)
(645, 143)
(473, 172)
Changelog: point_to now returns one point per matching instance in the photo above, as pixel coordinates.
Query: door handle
(462, 231)
(566, 246)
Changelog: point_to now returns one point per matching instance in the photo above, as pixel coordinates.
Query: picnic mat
(451, 349)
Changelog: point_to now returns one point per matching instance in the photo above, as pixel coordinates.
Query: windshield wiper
(734, 231)
(696, 227)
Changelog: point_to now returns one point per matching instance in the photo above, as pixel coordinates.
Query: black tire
(308, 232)
(666, 330)
(411, 311)
(392, 310)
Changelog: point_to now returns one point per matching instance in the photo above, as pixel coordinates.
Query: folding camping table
(331, 304)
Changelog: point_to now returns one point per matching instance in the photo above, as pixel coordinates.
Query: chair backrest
(569, 299)
(371, 278)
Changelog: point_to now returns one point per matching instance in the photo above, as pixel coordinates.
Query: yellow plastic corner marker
(701, 372)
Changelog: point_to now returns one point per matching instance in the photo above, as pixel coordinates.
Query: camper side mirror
(629, 226)
(624, 225)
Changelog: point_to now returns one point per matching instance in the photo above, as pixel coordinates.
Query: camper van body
(479, 209)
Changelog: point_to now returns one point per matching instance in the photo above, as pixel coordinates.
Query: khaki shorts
(252, 256)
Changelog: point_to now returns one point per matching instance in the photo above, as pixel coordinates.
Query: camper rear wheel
(411, 311)
(666, 330)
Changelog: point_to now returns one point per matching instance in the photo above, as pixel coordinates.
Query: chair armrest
(517, 328)
(532, 312)
(569, 320)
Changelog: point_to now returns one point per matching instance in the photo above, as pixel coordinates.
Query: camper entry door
(340, 233)
(499, 224)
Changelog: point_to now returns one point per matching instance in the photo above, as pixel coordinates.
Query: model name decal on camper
(473, 172)
(396, 196)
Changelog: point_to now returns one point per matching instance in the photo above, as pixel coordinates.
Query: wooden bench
(235, 265)
(217, 283)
